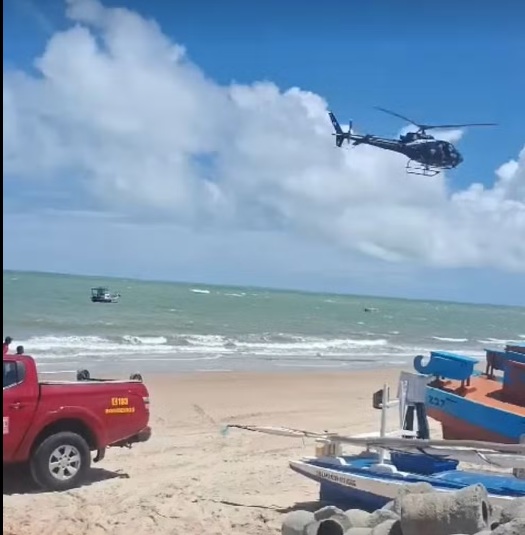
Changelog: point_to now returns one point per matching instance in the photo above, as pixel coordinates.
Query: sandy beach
(190, 479)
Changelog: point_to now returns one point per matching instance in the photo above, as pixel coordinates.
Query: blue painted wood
(518, 348)
(447, 365)
(455, 356)
(350, 496)
(514, 382)
(514, 355)
(504, 423)
(497, 360)
(503, 485)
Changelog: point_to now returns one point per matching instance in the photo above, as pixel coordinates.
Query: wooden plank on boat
(425, 443)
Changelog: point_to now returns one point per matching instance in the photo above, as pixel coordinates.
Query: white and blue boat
(367, 482)
(100, 294)
(370, 479)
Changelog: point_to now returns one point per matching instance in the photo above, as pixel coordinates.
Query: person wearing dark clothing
(7, 341)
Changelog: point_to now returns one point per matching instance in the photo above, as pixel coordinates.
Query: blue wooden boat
(477, 406)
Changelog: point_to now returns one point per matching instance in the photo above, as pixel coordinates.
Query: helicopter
(427, 156)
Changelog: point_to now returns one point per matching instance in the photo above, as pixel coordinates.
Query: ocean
(159, 327)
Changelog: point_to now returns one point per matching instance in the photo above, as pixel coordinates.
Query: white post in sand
(382, 432)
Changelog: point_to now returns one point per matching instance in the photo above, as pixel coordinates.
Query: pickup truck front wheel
(61, 461)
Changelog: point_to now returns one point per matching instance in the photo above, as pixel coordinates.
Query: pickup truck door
(19, 405)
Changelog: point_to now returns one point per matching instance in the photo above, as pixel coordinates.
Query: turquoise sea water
(181, 327)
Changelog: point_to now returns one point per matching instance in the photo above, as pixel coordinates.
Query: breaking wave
(50, 347)
(452, 340)
(243, 351)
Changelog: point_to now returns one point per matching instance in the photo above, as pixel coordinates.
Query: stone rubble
(417, 510)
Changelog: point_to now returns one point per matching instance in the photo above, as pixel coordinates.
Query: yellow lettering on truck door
(119, 402)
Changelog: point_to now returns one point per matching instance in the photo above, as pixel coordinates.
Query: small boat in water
(477, 406)
(101, 294)
(375, 476)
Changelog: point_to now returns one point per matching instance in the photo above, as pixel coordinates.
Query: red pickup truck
(55, 425)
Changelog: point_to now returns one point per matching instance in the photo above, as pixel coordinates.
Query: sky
(190, 141)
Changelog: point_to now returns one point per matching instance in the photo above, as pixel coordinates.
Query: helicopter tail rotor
(340, 135)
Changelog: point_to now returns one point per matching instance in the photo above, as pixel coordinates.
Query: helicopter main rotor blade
(398, 115)
(431, 126)
(428, 127)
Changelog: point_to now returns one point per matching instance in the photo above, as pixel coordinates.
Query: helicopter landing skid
(416, 168)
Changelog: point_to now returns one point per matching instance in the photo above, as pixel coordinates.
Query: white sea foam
(145, 340)
(498, 341)
(453, 340)
(190, 346)
(271, 348)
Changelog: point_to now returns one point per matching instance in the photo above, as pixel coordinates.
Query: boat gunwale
(475, 394)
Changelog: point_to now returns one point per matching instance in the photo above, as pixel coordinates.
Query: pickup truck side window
(14, 373)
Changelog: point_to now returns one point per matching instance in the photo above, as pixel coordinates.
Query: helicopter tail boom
(340, 136)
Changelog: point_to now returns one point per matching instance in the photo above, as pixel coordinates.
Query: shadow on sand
(17, 480)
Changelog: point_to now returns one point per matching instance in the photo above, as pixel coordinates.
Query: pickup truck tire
(61, 461)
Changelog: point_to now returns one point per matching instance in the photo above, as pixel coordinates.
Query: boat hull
(371, 491)
(454, 428)
(463, 418)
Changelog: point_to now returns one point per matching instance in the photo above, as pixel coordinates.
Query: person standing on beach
(7, 341)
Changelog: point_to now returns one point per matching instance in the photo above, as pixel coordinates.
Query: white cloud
(123, 112)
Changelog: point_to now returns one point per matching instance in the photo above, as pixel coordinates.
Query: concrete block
(358, 518)
(515, 509)
(388, 527)
(328, 521)
(380, 516)
(464, 511)
(295, 522)
(412, 488)
(514, 527)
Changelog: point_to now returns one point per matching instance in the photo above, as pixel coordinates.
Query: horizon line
(276, 289)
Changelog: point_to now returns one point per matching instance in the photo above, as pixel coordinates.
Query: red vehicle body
(54, 426)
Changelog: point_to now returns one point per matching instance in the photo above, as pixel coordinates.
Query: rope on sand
(278, 431)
